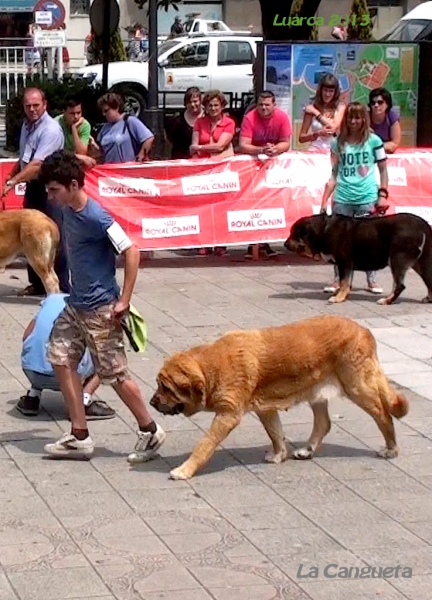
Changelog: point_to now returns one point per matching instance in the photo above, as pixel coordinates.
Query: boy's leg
(106, 344)
(71, 387)
(65, 350)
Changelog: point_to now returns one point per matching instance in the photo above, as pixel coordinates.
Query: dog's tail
(396, 404)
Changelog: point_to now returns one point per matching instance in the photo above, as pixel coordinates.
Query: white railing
(18, 65)
(13, 71)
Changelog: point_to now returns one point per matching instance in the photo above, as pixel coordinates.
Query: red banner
(239, 200)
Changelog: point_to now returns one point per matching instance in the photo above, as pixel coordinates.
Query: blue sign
(56, 8)
(17, 5)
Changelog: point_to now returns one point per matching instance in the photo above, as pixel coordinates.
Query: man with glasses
(40, 136)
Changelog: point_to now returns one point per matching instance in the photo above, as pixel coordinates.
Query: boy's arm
(123, 245)
(132, 259)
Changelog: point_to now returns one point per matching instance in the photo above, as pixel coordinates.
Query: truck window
(192, 55)
(235, 53)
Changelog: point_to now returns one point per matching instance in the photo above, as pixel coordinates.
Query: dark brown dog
(274, 369)
(368, 244)
(32, 233)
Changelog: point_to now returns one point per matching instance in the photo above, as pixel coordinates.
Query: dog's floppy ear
(192, 380)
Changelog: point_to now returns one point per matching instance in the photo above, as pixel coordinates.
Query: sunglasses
(378, 102)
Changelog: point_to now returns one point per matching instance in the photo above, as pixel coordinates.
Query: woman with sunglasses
(384, 119)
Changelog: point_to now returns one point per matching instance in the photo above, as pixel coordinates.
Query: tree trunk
(303, 9)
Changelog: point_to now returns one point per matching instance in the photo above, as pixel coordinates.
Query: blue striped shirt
(40, 139)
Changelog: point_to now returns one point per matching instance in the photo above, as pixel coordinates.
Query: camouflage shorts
(74, 330)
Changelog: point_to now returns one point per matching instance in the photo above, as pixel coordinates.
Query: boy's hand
(120, 309)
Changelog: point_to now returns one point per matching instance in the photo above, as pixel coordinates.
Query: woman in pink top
(213, 133)
(212, 136)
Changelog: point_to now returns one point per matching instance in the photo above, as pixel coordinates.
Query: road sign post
(104, 19)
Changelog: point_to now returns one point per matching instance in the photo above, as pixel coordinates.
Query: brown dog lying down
(32, 233)
(274, 369)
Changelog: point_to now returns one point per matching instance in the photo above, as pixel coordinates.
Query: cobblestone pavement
(242, 528)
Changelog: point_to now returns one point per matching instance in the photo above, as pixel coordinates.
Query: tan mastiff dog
(32, 233)
(274, 369)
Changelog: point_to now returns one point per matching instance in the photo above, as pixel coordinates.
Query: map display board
(359, 69)
(278, 74)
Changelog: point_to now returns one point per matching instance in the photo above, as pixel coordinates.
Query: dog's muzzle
(166, 409)
(293, 246)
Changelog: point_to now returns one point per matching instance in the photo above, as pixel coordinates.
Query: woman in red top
(212, 136)
(213, 133)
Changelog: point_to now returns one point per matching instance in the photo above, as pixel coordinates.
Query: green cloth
(136, 330)
(84, 132)
(356, 181)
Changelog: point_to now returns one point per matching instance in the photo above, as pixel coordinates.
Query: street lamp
(153, 115)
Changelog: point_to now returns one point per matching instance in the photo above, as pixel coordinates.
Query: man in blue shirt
(41, 135)
(40, 372)
(94, 310)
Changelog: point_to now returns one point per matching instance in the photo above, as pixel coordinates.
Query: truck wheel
(134, 102)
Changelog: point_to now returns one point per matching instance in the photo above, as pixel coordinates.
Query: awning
(17, 5)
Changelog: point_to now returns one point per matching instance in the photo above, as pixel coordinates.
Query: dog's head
(306, 235)
(181, 386)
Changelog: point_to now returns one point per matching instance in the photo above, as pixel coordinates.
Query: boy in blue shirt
(40, 372)
(94, 311)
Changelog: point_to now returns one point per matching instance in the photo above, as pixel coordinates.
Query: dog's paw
(179, 474)
(426, 300)
(303, 453)
(335, 299)
(388, 452)
(383, 301)
(278, 458)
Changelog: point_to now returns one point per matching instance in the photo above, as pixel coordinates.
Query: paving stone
(101, 530)
(417, 587)
(356, 588)
(199, 594)
(59, 584)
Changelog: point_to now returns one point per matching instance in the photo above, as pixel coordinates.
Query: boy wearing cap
(94, 310)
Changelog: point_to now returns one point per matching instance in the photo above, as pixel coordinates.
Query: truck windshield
(409, 31)
(162, 48)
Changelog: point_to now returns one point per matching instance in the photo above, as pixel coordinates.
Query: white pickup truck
(220, 61)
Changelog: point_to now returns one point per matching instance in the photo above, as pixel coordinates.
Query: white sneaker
(68, 446)
(374, 288)
(332, 289)
(147, 445)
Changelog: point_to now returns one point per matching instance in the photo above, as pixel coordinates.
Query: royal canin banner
(234, 201)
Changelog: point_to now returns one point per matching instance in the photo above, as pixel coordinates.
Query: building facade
(16, 15)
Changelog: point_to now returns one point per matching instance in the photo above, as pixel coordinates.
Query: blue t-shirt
(356, 182)
(33, 354)
(120, 142)
(90, 255)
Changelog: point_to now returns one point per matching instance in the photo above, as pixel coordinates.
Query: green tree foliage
(56, 93)
(161, 4)
(360, 23)
(117, 50)
(300, 8)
